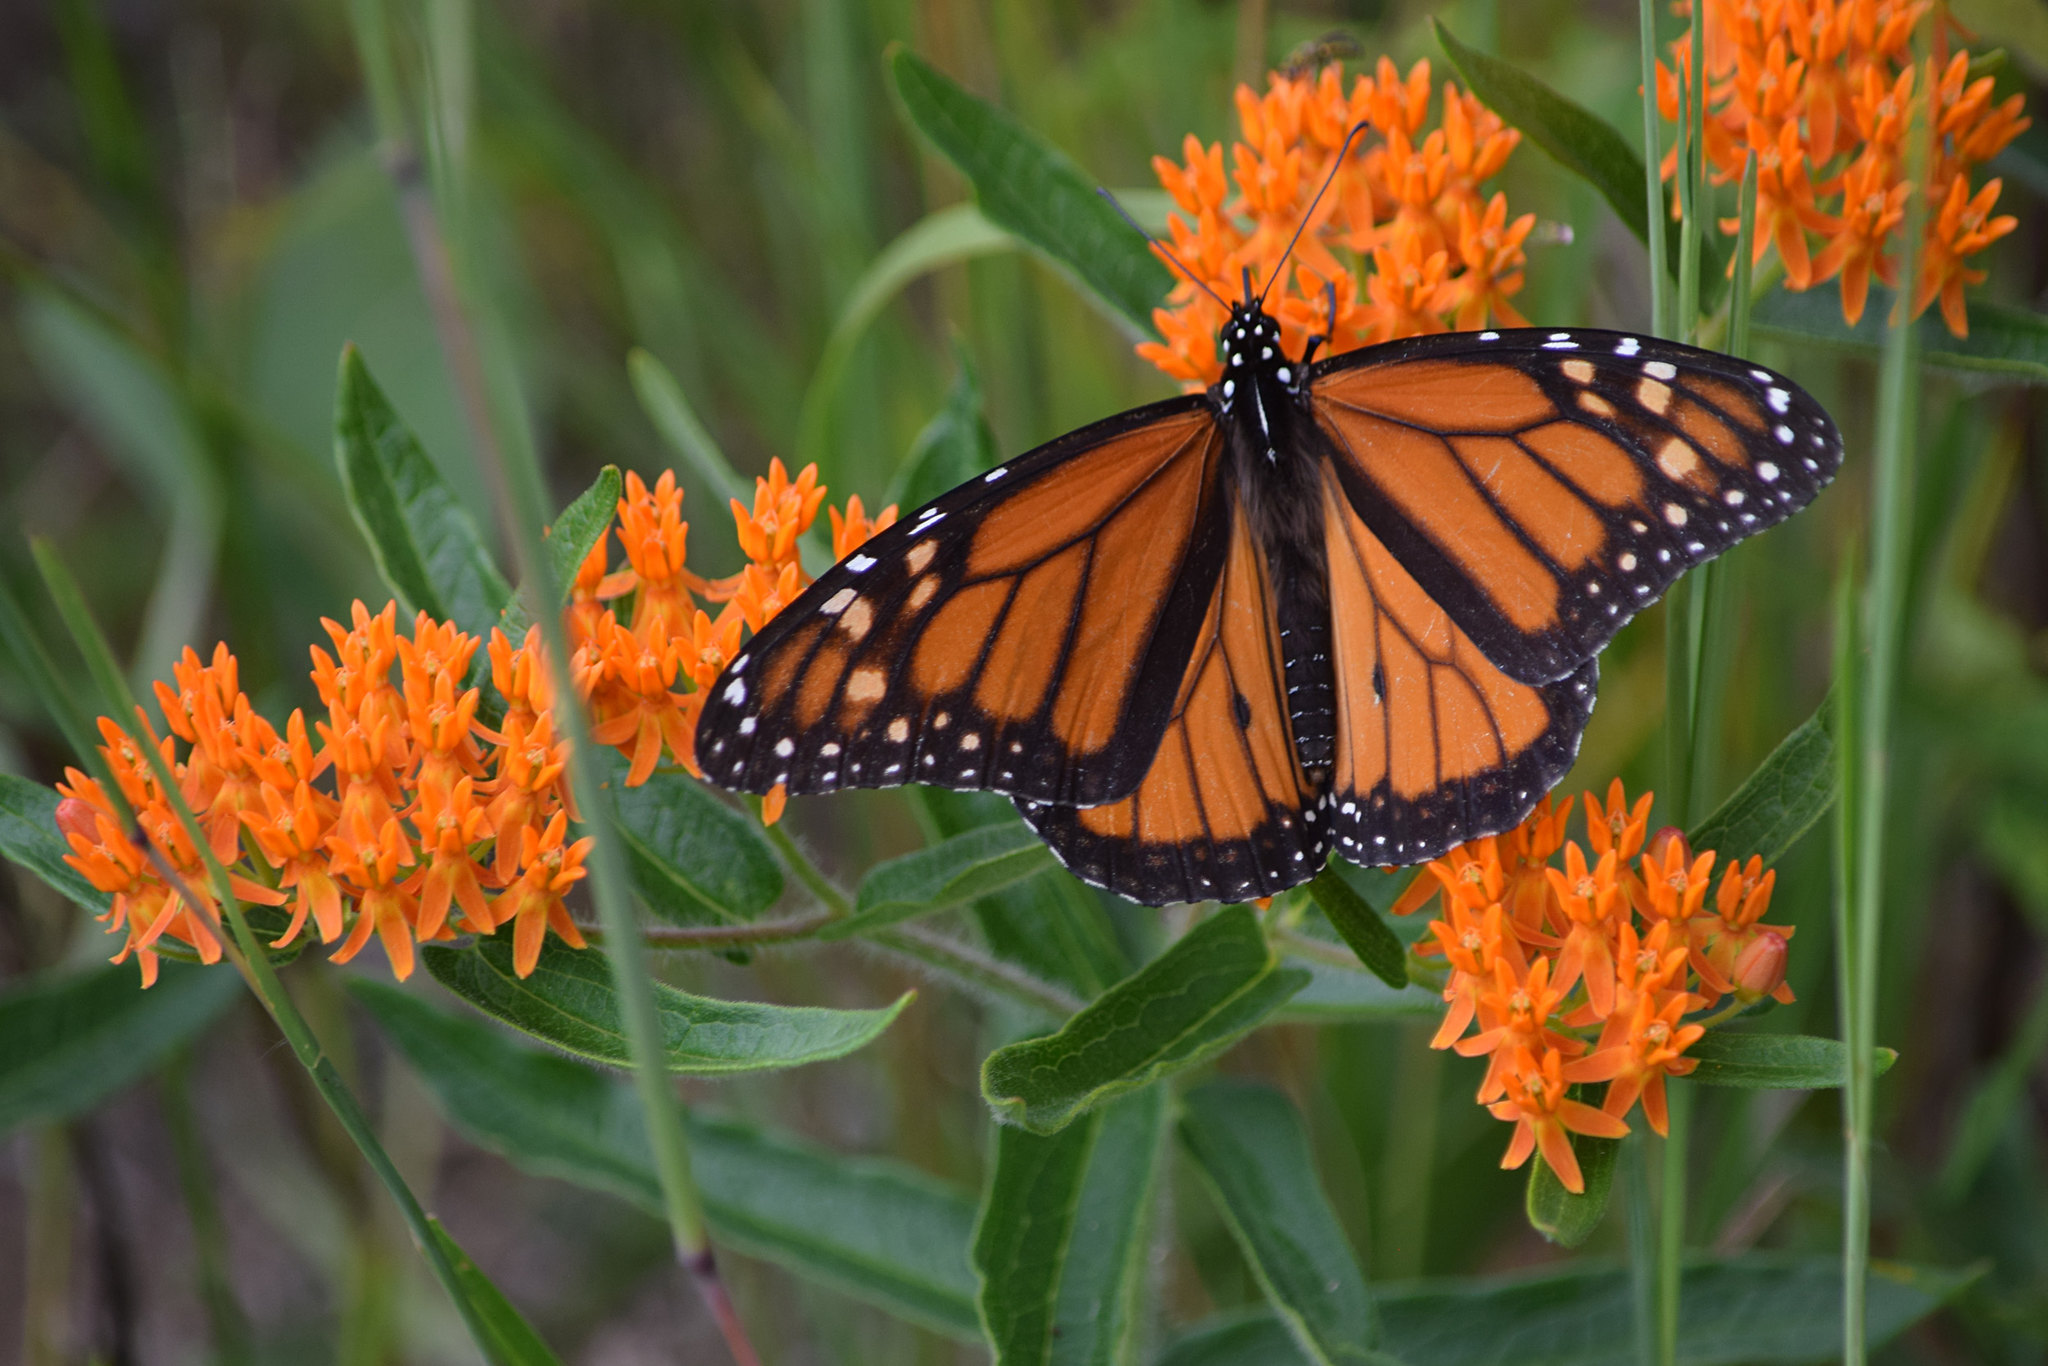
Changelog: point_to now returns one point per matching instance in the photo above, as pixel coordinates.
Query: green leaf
(954, 446)
(1761, 1308)
(959, 232)
(29, 838)
(1581, 142)
(569, 1002)
(1567, 1219)
(1781, 800)
(1183, 1007)
(666, 407)
(508, 1339)
(574, 532)
(422, 538)
(1788, 1062)
(1060, 1246)
(1369, 936)
(950, 873)
(1251, 1147)
(1335, 993)
(1034, 190)
(694, 859)
(73, 1041)
(2003, 340)
(880, 1231)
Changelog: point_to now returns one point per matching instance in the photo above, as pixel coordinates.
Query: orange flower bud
(1760, 967)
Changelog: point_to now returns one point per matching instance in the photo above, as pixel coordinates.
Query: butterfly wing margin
(1224, 812)
(1435, 746)
(1547, 486)
(1023, 633)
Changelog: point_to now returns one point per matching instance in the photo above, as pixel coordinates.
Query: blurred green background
(193, 219)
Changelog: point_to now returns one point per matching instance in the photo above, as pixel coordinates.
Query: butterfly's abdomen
(1311, 695)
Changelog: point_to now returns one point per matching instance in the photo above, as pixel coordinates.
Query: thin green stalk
(1671, 1218)
(1848, 652)
(1653, 185)
(808, 872)
(1884, 631)
(248, 952)
(1642, 1245)
(1739, 300)
(968, 964)
(517, 488)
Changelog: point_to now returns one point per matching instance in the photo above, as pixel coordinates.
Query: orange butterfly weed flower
(401, 808)
(1403, 243)
(1589, 965)
(1822, 93)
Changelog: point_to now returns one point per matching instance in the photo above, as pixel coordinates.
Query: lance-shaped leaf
(1369, 936)
(1781, 800)
(70, 1042)
(950, 873)
(29, 839)
(1251, 1147)
(694, 859)
(422, 538)
(1029, 187)
(1762, 1307)
(1790, 1062)
(1562, 1217)
(570, 539)
(878, 1230)
(508, 1338)
(569, 1001)
(1583, 143)
(1060, 1247)
(1186, 1005)
(2003, 340)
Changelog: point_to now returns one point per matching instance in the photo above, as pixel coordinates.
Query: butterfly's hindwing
(1435, 746)
(1546, 486)
(1023, 633)
(1224, 812)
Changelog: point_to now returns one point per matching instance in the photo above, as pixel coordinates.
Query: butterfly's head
(1250, 346)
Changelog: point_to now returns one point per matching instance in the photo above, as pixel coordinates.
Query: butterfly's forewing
(1435, 745)
(1224, 812)
(1545, 486)
(1024, 633)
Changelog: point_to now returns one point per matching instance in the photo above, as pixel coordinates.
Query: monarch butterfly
(1344, 605)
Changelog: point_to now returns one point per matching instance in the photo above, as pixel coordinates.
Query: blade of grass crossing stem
(1653, 185)
(255, 965)
(1885, 607)
(522, 505)
(1745, 243)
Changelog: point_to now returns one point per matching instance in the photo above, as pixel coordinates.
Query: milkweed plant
(1268, 1133)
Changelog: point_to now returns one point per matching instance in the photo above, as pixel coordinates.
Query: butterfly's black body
(1276, 460)
(1571, 476)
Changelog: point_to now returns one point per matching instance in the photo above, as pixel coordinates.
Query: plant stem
(1653, 184)
(969, 964)
(517, 492)
(809, 873)
(243, 948)
(1671, 1218)
(1883, 633)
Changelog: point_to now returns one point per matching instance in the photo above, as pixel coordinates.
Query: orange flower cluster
(1822, 93)
(1586, 973)
(403, 814)
(1405, 215)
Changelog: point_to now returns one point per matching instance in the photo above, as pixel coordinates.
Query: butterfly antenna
(1162, 249)
(1335, 166)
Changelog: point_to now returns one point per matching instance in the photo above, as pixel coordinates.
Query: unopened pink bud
(1760, 967)
(76, 817)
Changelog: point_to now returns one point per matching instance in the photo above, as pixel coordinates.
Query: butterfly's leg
(1329, 332)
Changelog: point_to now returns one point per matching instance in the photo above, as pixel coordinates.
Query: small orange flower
(1544, 1115)
(372, 862)
(532, 905)
(850, 532)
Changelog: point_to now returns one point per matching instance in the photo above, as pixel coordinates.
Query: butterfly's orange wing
(1225, 812)
(1435, 745)
(1545, 486)
(1025, 633)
